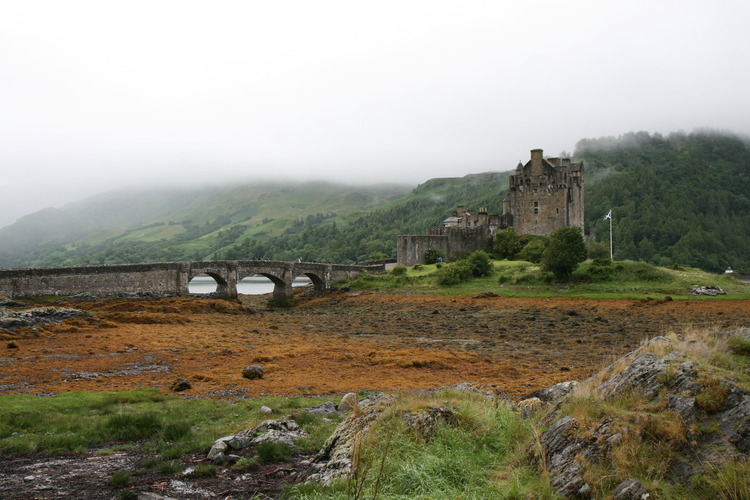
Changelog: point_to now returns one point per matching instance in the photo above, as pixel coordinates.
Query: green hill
(676, 199)
(178, 224)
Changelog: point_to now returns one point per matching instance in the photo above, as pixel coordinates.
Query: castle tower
(546, 194)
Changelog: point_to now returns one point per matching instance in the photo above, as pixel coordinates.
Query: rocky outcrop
(284, 430)
(335, 459)
(11, 320)
(569, 447)
(710, 290)
(554, 392)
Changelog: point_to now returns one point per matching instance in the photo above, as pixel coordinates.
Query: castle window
(536, 208)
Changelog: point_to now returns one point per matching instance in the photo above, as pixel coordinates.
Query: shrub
(564, 252)
(398, 271)
(479, 263)
(599, 270)
(533, 250)
(432, 255)
(507, 244)
(454, 273)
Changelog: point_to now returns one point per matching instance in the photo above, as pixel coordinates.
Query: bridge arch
(318, 282)
(222, 285)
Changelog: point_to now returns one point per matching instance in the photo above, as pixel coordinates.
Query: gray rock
(684, 406)
(219, 446)
(562, 451)
(327, 408)
(181, 384)
(555, 392)
(238, 442)
(735, 422)
(335, 458)
(630, 489)
(253, 372)
(12, 320)
(710, 290)
(641, 374)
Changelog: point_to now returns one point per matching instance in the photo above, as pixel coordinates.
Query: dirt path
(343, 343)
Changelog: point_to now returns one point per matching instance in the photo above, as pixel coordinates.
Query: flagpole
(611, 254)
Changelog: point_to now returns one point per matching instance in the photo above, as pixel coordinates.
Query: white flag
(608, 216)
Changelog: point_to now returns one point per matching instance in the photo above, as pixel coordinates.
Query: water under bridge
(164, 278)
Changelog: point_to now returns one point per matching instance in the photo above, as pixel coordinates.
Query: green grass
(170, 426)
(619, 280)
(462, 460)
(119, 479)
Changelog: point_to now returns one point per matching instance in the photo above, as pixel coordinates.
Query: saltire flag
(608, 216)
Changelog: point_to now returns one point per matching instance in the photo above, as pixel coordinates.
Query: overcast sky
(96, 95)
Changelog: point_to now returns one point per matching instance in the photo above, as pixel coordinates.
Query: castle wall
(411, 249)
(452, 242)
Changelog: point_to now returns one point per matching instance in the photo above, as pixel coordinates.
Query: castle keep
(543, 195)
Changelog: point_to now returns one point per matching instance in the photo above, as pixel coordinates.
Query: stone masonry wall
(155, 278)
(452, 242)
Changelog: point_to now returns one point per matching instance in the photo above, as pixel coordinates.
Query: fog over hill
(676, 199)
(97, 96)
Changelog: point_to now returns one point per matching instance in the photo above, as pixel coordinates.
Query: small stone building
(543, 195)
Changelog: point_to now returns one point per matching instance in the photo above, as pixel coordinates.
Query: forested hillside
(180, 223)
(676, 199)
(374, 234)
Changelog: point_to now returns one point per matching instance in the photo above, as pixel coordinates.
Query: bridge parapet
(163, 278)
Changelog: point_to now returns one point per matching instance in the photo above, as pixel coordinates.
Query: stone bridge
(172, 277)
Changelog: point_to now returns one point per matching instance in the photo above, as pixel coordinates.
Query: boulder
(555, 392)
(530, 405)
(284, 430)
(710, 290)
(181, 384)
(327, 408)
(252, 372)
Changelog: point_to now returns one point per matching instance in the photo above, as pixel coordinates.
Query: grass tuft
(273, 451)
(120, 479)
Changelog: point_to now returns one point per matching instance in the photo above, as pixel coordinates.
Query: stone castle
(543, 195)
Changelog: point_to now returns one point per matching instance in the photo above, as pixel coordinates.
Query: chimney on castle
(536, 162)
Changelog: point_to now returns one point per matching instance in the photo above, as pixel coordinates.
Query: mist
(101, 95)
